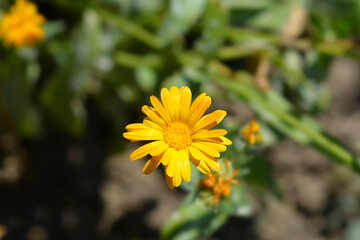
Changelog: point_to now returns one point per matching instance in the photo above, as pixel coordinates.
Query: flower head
(220, 183)
(251, 133)
(179, 133)
(22, 25)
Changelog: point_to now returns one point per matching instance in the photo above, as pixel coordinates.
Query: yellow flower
(179, 133)
(251, 133)
(22, 25)
(220, 183)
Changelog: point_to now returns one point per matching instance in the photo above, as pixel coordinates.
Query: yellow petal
(144, 135)
(173, 164)
(196, 103)
(214, 146)
(166, 158)
(209, 134)
(205, 147)
(210, 120)
(204, 157)
(199, 111)
(151, 124)
(219, 140)
(211, 162)
(185, 102)
(154, 116)
(204, 168)
(151, 165)
(194, 152)
(175, 103)
(169, 180)
(201, 165)
(185, 165)
(177, 174)
(144, 150)
(136, 127)
(165, 98)
(161, 148)
(225, 141)
(160, 108)
(195, 157)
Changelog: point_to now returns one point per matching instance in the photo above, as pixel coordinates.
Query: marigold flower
(179, 133)
(22, 25)
(220, 184)
(251, 133)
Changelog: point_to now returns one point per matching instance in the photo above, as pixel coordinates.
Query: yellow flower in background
(179, 133)
(22, 25)
(251, 133)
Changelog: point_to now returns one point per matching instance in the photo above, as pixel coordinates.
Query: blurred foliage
(272, 55)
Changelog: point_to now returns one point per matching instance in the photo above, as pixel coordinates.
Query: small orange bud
(219, 184)
(208, 182)
(251, 133)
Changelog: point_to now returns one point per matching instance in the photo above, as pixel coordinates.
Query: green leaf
(87, 48)
(215, 28)
(247, 4)
(17, 82)
(191, 222)
(181, 16)
(64, 94)
(130, 60)
(53, 29)
(252, 38)
(66, 111)
(146, 78)
(272, 18)
(186, 218)
(130, 28)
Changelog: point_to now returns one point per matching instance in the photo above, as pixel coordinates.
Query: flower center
(177, 135)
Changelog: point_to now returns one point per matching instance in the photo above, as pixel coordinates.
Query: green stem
(132, 61)
(233, 52)
(131, 28)
(236, 33)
